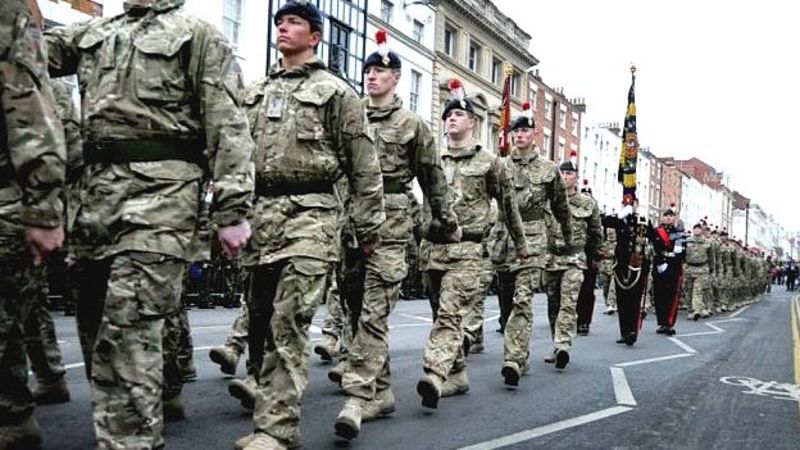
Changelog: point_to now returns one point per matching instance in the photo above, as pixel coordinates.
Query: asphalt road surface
(729, 382)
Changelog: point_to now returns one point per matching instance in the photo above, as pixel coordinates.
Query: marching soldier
(668, 271)
(631, 267)
(564, 273)
(32, 171)
(700, 264)
(310, 131)
(456, 273)
(538, 187)
(406, 150)
(173, 121)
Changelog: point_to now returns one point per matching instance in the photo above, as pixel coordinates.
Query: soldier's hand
(369, 245)
(522, 252)
(233, 238)
(43, 241)
(454, 236)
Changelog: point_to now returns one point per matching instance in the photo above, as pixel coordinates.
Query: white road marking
(74, 366)
(534, 433)
(740, 311)
(491, 318)
(652, 360)
(622, 390)
(424, 319)
(682, 345)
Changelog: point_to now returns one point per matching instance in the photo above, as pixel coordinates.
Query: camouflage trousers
(286, 295)
(41, 344)
(563, 287)
(606, 278)
(237, 338)
(517, 336)
(455, 292)
(337, 324)
(697, 288)
(178, 349)
(367, 370)
(123, 302)
(16, 400)
(473, 322)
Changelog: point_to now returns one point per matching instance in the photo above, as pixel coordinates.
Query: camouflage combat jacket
(587, 235)
(70, 119)
(159, 114)
(310, 130)
(538, 187)
(475, 177)
(32, 150)
(607, 250)
(700, 257)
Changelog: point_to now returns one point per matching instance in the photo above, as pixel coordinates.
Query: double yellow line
(796, 336)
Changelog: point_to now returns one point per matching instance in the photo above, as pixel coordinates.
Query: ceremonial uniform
(669, 247)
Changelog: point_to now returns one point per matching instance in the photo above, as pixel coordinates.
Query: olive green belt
(142, 150)
(532, 215)
(391, 186)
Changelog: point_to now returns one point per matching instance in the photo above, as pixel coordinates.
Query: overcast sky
(717, 80)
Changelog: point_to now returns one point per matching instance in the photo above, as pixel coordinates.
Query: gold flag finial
(633, 69)
(508, 68)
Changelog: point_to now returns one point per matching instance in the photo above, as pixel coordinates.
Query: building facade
(598, 163)
(411, 29)
(473, 42)
(670, 186)
(557, 118)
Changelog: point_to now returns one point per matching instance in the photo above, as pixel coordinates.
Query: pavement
(729, 382)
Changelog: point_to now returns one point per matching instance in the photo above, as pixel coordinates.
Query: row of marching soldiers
(163, 112)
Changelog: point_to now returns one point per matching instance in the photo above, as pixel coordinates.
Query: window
(497, 71)
(416, 81)
(548, 141)
(450, 41)
(386, 10)
(515, 85)
(575, 124)
(532, 96)
(418, 32)
(548, 108)
(340, 45)
(562, 118)
(474, 57)
(232, 20)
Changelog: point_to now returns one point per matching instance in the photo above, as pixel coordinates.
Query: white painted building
(599, 163)
(411, 36)
(694, 200)
(643, 185)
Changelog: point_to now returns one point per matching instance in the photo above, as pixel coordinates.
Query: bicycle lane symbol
(771, 389)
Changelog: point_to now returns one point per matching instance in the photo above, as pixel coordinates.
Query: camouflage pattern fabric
(237, 338)
(173, 82)
(160, 115)
(563, 287)
(606, 273)
(302, 149)
(41, 343)
(700, 263)
(517, 335)
(32, 167)
(457, 273)
(290, 292)
(128, 298)
(177, 345)
(406, 150)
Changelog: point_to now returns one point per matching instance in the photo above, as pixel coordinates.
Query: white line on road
(534, 433)
(652, 360)
(682, 345)
(740, 311)
(622, 390)
(424, 319)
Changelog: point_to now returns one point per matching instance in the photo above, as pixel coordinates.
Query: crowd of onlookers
(786, 274)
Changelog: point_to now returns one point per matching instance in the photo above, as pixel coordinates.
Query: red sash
(662, 233)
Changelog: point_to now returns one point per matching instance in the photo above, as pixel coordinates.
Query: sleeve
(594, 234)
(712, 259)
(559, 205)
(35, 136)
(359, 161)
(229, 146)
(63, 54)
(501, 188)
(428, 169)
(71, 121)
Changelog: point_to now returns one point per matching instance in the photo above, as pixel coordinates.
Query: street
(729, 382)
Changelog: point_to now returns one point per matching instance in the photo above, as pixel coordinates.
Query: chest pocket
(393, 149)
(159, 74)
(580, 215)
(473, 183)
(309, 113)
(95, 58)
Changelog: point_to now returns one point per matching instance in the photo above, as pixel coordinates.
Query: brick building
(670, 185)
(558, 118)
